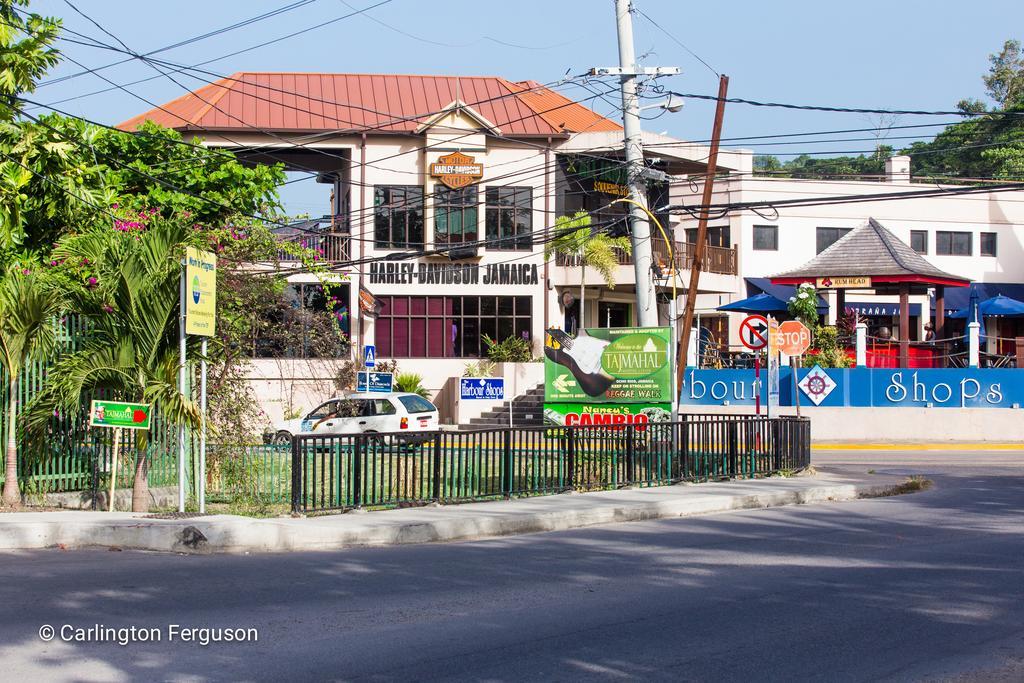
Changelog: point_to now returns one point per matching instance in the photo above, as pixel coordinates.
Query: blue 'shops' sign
(492, 388)
(374, 381)
(863, 387)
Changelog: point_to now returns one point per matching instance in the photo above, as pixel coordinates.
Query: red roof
(310, 102)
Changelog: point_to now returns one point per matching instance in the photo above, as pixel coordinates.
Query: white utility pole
(646, 304)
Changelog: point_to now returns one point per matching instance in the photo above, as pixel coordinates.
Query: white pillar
(973, 335)
(861, 338)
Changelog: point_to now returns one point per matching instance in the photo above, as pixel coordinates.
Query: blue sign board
(370, 355)
(863, 387)
(492, 388)
(374, 381)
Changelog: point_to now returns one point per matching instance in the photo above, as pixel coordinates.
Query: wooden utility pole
(702, 232)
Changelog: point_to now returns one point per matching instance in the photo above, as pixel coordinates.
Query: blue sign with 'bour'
(492, 388)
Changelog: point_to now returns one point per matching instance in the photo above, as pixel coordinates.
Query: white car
(361, 413)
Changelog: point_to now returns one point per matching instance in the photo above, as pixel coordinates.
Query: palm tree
(27, 309)
(131, 302)
(575, 239)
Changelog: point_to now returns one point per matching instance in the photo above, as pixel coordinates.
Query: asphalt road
(928, 586)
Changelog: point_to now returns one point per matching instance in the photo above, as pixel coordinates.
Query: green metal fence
(76, 457)
(256, 474)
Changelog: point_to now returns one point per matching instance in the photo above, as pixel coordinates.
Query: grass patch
(913, 484)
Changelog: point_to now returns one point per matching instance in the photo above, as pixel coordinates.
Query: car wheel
(283, 439)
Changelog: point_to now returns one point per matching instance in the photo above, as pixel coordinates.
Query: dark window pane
(766, 237)
(509, 217)
(435, 337)
(988, 244)
(826, 237)
(919, 241)
(487, 306)
(398, 217)
(418, 337)
(506, 305)
(523, 306)
(418, 305)
(470, 305)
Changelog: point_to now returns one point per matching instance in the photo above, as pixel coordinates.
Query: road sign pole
(201, 488)
(181, 387)
(113, 468)
(757, 383)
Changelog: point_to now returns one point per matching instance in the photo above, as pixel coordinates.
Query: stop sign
(794, 338)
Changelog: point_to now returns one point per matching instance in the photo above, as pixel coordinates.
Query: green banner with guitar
(609, 365)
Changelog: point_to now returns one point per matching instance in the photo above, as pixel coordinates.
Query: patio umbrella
(997, 305)
(759, 303)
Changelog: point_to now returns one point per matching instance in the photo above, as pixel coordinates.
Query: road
(927, 586)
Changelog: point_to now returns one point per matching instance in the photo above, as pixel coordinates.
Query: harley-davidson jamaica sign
(456, 170)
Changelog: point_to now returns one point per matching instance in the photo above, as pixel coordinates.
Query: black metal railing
(388, 470)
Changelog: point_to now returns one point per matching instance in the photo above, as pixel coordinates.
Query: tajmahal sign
(456, 170)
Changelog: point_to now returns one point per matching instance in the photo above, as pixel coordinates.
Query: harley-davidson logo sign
(456, 170)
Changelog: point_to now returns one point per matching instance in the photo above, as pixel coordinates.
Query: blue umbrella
(997, 305)
(759, 303)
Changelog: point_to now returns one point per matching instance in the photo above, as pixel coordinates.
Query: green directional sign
(119, 414)
(609, 365)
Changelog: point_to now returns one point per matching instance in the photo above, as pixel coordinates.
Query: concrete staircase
(527, 411)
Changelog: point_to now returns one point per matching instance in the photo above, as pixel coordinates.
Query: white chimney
(897, 169)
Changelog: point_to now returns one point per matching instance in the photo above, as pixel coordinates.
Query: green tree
(130, 296)
(595, 249)
(1005, 80)
(148, 166)
(26, 53)
(27, 311)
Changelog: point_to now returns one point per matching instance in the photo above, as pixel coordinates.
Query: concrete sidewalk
(232, 534)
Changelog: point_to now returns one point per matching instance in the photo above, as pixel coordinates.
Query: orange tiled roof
(311, 102)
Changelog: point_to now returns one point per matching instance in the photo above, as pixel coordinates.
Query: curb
(905, 446)
(231, 534)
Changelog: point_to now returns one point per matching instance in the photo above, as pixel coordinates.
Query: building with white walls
(979, 237)
(444, 191)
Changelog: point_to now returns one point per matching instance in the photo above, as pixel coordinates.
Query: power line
(676, 40)
(188, 41)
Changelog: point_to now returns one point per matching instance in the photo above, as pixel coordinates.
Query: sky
(887, 55)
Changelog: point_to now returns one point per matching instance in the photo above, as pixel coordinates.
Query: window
(448, 326)
(919, 241)
(988, 244)
(766, 238)
(718, 236)
(455, 215)
(509, 217)
(826, 237)
(417, 404)
(304, 323)
(382, 406)
(397, 217)
(953, 243)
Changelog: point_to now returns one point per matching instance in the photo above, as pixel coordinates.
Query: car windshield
(417, 404)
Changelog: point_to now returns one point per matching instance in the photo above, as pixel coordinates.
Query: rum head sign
(456, 170)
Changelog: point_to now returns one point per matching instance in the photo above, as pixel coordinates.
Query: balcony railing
(720, 260)
(329, 240)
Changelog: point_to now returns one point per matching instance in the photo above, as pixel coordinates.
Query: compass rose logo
(817, 385)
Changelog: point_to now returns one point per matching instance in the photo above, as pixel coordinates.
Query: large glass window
(448, 326)
(305, 323)
(766, 238)
(509, 217)
(949, 243)
(826, 237)
(919, 241)
(398, 217)
(455, 215)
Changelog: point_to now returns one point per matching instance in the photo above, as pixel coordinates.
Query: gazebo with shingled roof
(871, 257)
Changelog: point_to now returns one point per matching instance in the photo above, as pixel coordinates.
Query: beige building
(444, 191)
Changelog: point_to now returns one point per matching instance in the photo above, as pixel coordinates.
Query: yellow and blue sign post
(199, 317)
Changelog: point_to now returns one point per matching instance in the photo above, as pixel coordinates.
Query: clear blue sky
(874, 54)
